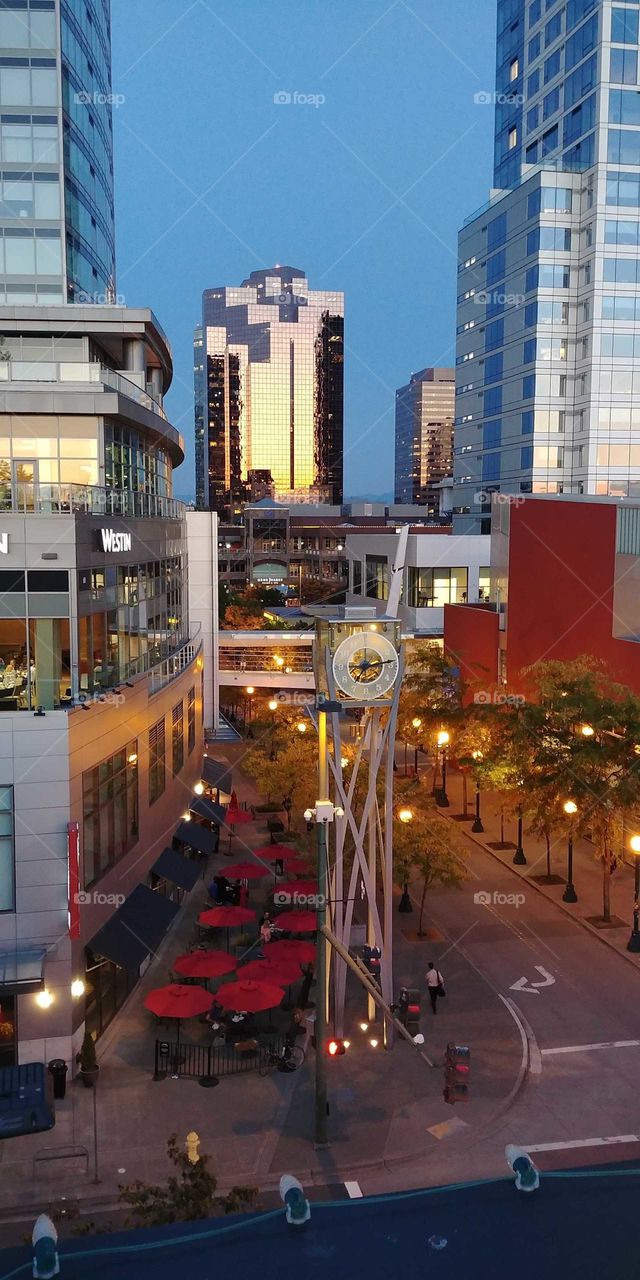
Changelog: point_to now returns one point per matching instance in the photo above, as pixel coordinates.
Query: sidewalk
(587, 868)
(385, 1108)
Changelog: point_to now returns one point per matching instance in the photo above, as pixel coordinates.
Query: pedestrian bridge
(266, 659)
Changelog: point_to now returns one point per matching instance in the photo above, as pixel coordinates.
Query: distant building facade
(268, 367)
(425, 410)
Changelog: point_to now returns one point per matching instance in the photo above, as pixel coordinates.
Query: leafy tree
(188, 1195)
(428, 849)
(580, 740)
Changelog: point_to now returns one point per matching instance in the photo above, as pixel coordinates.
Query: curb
(597, 933)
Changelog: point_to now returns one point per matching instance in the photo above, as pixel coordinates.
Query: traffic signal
(372, 957)
(457, 1070)
(336, 1047)
(409, 1009)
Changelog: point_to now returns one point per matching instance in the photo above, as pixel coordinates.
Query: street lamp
(477, 825)
(302, 728)
(570, 807)
(416, 724)
(634, 941)
(405, 815)
(587, 730)
(273, 704)
(519, 859)
(442, 798)
(249, 692)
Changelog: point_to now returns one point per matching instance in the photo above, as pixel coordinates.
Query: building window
(433, 588)
(109, 811)
(377, 577)
(191, 720)
(156, 761)
(357, 577)
(177, 738)
(7, 857)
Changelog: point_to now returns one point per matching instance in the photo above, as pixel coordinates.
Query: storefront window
(177, 738)
(107, 989)
(433, 588)
(191, 720)
(109, 811)
(156, 761)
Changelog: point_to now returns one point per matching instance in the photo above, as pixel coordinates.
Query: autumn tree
(427, 849)
(187, 1196)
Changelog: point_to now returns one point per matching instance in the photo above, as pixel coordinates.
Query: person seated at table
(218, 888)
(10, 675)
(233, 893)
(266, 928)
(215, 1015)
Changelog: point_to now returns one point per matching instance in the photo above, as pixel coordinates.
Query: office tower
(425, 410)
(56, 209)
(548, 350)
(101, 676)
(269, 399)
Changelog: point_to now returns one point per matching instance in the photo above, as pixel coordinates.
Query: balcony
(78, 371)
(170, 668)
(31, 497)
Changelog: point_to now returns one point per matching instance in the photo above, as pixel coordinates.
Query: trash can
(58, 1069)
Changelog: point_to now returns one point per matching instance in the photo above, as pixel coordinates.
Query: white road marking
(586, 1048)
(521, 985)
(354, 1190)
(582, 1142)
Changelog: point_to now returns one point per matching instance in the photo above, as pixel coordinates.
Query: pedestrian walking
(435, 985)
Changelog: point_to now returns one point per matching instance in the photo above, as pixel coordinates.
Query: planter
(89, 1078)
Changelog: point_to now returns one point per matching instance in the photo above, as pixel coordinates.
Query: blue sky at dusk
(364, 190)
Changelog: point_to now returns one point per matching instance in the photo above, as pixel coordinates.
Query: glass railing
(66, 499)
(78, 371)
(164, 672)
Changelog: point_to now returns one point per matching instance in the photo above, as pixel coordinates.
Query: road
(585, 1003)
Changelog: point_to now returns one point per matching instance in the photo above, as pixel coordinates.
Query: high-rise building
(425, 409)
(548, 349)
(101, 675)
(268, 365)
(56, 145)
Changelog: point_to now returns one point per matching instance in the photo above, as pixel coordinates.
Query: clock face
(365, 666)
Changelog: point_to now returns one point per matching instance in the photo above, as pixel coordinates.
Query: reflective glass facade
(425, 411)
(269, 391)
(57, 240)
(548, 360)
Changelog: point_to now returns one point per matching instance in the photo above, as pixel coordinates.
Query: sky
(361, 179)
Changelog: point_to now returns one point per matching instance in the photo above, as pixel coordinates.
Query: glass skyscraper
(57, 238)
(268, 362)
(425, 410)
(548, 345)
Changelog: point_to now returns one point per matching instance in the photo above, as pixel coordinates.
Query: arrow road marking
(522, 984)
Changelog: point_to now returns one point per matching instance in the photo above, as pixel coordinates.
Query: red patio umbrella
(226, 917)
(235, 817)
(297, 867)
(278, 972)
(305, 887)
(297, 921)
(276, 852)
(204, 964)
(303, 952)
(246, 996)
(246, 871)
(177, 1000)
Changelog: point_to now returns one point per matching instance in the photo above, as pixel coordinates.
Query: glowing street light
(416, 722)
(44, 999)
(77, 988)
(302, 728)
(570, 807)
(477, 822)
(273, 704)
(443, 738)
(587, 730)
(634, 941)
(250, 690)
(199, 788)
(405, 815)
(442, 798)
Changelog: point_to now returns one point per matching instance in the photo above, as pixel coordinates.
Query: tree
(429, 847)
(284, 768)
(238, 617)
(579, 740)
(188, 1195)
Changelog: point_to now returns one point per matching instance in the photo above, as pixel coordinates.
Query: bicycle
(291, 1058)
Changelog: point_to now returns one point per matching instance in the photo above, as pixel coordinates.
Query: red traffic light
(335, 1048)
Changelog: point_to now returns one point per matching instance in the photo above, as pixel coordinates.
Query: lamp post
(416, 724)
(634, 940)
(519, 859)
(442, 799)
(249, 692)
(570, 807)
(477, 824)
(405, 816)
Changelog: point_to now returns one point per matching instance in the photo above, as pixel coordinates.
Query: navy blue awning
(206, 808)
(197, 837)
(217, 773)
(173, 866)
(135, 929)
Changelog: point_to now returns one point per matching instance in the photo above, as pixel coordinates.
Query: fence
(197, 1061)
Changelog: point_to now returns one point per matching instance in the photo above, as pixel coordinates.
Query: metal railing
(199, 1061)
(65, 371)
(65, 499)
(170, 668)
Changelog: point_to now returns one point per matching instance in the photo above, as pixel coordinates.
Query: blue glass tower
(57, 237)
